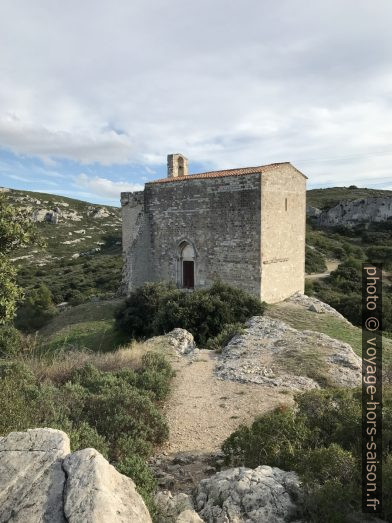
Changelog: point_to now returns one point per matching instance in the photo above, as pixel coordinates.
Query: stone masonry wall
(220, 217)
(135, 241)
(282, 233)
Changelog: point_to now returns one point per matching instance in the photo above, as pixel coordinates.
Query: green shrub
(136, 468)
(155, 375)
(273, 439)
(320, 439)
(37, 310)
(380, 254)
(157, 308)
(84, 436)
(115, 412)
(11, 341)
(314, 261)
(222, 339)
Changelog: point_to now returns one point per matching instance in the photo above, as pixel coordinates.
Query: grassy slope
(90, 264)
(329, 197)
(302, 319)
(97, 230)
(87, 326)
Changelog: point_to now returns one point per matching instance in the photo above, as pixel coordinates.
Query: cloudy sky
(95, 93)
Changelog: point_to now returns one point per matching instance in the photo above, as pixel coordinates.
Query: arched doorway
(187, 265)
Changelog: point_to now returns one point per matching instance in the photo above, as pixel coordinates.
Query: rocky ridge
(271, 353)
(352, 212)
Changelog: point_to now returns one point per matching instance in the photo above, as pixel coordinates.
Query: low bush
(157, 308)
(11, 341)
(227, 333)
(314, 261)
(37, 310)
(115, 412)
(320, 439)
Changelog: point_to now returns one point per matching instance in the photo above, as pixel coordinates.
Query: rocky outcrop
(181, 340)
(100, 212)
(315, 305)
(46, 215)
(261, 495)
(312, 212)
(40, 481)
(352, 212)
(271, 353)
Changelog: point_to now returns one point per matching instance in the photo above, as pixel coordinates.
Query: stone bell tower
(177, 166)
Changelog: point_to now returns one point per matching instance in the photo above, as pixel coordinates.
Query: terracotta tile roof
(226, 172)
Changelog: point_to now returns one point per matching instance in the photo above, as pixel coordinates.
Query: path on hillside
(202, 411)
(332, 265)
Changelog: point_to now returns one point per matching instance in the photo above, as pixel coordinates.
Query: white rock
(101, 212)
(189, 516)
(352, 212)
(316, 308)
(268, 352)
(97, 493)
(309, 301)
(40, 482)
(242, 495)
(31, 476)
(182, 341)
(171, 506)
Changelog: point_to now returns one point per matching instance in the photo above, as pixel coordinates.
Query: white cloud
(105, 187)
(227, 83)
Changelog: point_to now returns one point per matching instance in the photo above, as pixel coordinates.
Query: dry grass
(58, 368)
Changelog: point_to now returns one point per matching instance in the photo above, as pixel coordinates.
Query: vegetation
(320, 439)
(115, 411)
(314, 261)
(16, 231)
(222, 339)
(37, 310)
(156, 308)
(80, 256)
(331, 196)
(342, 290)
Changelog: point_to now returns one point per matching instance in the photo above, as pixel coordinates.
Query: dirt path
(203, 411)
(332, 265)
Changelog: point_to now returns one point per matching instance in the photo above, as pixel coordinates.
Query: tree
(16, 230)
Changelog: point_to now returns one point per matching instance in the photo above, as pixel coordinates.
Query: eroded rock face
(271, 353)
(352, 212)
(239, 495)
(41, 482)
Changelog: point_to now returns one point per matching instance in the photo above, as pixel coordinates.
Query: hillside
(331, 196)
(82, 252)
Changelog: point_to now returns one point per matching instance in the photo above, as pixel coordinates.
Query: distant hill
(331, 196)
(82, 255)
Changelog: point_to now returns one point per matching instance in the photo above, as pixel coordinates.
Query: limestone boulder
(239, 495)
(182, 341)
(97, 493)
(41, 482)
(32, 479)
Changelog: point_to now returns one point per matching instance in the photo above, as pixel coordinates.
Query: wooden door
(188, 274)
